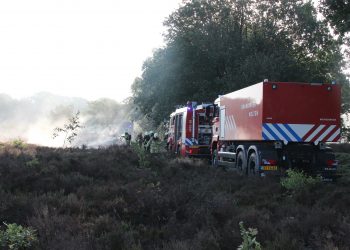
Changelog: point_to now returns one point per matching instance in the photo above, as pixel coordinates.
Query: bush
(18, 143)
(298, 180)
(17, 237)
(33, 163)
(143, 156)
(249, 238)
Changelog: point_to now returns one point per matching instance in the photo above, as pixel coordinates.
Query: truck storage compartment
(301, 112)
(281, 111)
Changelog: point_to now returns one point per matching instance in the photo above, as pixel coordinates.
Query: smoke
(104, 122)
(34, 119)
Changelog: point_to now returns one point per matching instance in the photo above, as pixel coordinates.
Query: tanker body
(271, 126)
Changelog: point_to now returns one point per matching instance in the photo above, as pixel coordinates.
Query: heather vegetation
(107, 198)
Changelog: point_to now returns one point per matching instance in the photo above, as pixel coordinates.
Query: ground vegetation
(107, 198)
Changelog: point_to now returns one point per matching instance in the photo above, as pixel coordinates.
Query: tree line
(218, 46)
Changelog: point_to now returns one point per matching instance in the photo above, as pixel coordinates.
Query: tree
(338, 14)
(218, 46)
(69, 130)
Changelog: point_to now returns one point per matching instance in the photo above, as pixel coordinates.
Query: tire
(214, 159)
(253, 166)
(240, 163)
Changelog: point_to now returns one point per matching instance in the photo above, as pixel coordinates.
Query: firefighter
(146, 139)
(139, 139)
(155, 137)
(149, 141)
(127, 138)
(155, 148)
(151, 145)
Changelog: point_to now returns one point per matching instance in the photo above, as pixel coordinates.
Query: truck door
(179, 127)
(222, 122)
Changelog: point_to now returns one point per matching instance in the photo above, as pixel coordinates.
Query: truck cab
(189, 131)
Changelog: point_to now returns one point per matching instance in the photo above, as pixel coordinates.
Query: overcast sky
(82, 48)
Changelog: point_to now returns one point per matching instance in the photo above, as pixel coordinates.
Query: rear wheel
(240, 163)
(253, 166)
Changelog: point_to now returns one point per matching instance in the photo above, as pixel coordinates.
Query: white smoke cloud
(34, 119)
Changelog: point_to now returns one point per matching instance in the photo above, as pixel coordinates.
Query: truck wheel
(253, 166)
(240, 163)
(214, 159)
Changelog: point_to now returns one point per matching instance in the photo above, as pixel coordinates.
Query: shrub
(143, 156)
(249, 238)
(298, 180)
(69, 129)
(18, 143)
(33, 163)
(17, 237)
(100, 199)
(158, 147)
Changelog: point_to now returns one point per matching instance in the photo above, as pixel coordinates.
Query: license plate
(269, 168)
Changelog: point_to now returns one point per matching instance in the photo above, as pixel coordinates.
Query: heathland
(119, 198)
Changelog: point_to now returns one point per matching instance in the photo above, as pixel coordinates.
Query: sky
(83, 48)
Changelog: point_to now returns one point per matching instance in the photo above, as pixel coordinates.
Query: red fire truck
(271, 126)
(190, 130)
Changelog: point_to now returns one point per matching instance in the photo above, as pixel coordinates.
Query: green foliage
(19, 143)
(142, 154)
(249, 238)
(33, 163)
(17, 237)
(337, 12)
(158, 146)
(69, 130)
(298, 180)
(218, 46)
